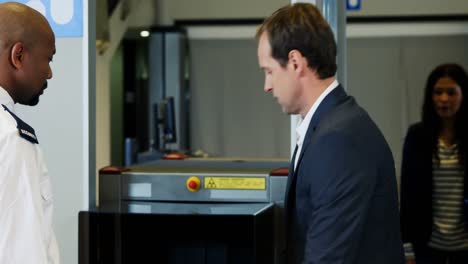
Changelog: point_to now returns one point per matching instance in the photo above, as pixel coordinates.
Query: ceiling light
(144, 33)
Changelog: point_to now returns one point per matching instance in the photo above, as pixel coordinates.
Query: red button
(193, 184)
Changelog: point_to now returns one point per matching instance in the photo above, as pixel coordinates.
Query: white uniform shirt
(26, 202)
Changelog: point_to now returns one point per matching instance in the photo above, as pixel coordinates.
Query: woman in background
(434, 178)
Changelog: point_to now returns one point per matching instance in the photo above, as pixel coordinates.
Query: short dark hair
(431, 120)
(301, 27)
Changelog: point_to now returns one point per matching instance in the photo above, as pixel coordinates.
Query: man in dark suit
(341, 200)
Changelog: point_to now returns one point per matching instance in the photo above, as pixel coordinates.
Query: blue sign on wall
(353, 5)
(65, 16)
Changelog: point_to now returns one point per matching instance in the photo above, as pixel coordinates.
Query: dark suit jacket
(341, 201)
(416, 186)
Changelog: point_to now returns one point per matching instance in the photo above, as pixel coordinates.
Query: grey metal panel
(167, 187)
(168, 183)
(167, 51)
(156, 77)
(117, 107)
(335, 13)
(175, 45)
(221, 168)
(219, 163)
(195, 208)
(109, 188)
(277, 188)
(92, 188)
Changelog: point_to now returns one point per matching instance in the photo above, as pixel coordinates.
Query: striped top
(449, 231)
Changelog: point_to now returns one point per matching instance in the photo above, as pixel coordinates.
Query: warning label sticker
(235, 183)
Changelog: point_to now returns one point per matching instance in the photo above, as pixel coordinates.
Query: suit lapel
(291, 173)
(334, 98)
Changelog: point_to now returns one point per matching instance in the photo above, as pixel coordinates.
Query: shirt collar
(302, 127)
(5, 99)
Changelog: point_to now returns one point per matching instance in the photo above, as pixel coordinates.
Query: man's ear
(17, 55)
(298, 61)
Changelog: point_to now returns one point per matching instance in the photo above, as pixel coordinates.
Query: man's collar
(301, 129)
(6, 99)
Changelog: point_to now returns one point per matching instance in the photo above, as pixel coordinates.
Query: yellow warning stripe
(235, 183)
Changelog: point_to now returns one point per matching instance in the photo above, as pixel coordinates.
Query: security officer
(27, 45)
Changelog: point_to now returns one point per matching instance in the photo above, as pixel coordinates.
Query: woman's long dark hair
(431, 120)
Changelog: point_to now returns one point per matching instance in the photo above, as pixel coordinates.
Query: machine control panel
(201, 183)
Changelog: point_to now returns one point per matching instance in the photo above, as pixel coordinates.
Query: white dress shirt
(26, 201)
(302, 127)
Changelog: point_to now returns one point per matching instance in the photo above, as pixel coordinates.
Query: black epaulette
(25, 130)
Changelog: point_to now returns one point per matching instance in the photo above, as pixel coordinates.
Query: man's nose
(267, 87)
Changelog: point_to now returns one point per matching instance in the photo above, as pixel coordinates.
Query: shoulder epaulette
(25, 130)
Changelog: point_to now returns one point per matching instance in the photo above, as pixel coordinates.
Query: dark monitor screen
(169, 124)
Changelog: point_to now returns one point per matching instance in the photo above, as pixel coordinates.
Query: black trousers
(428, 255)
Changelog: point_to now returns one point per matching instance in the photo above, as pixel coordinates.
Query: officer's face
(37, 69)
